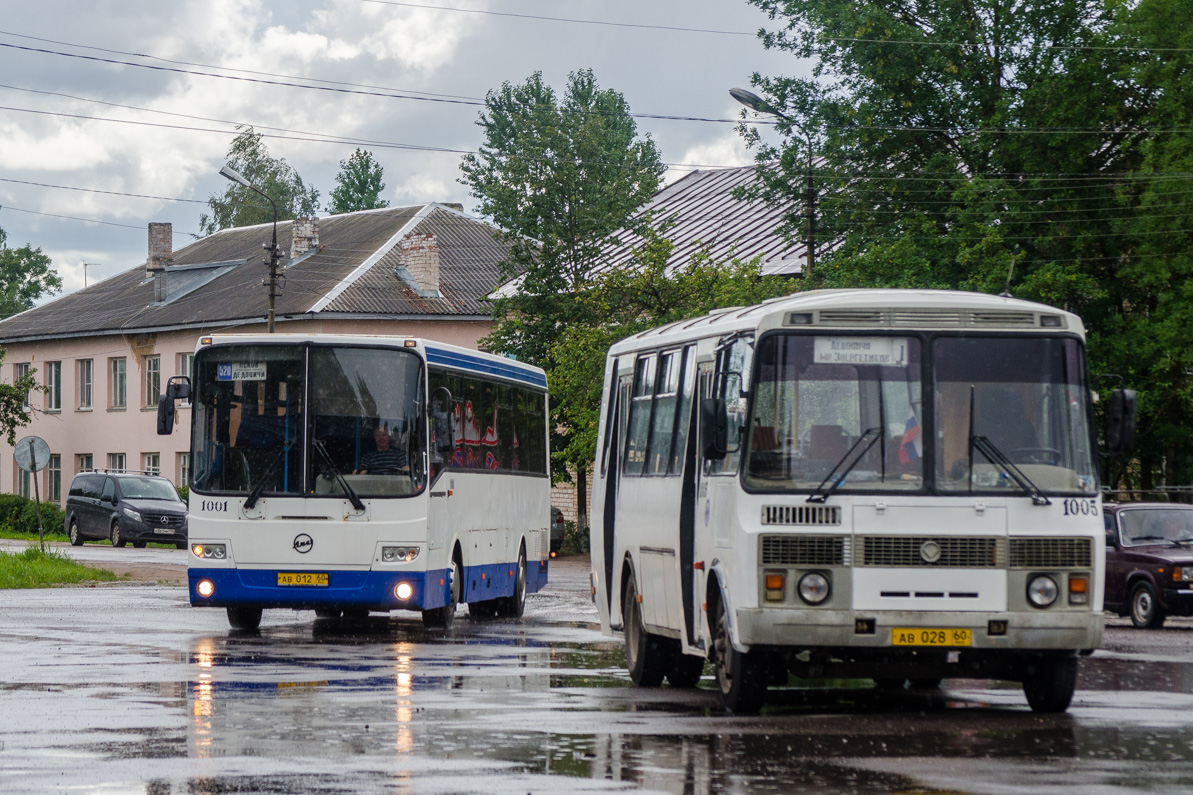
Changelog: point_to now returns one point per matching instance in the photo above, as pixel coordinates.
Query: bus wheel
(328, 612)
(442, 617)
(514, 606)
(646, 655)
(244, 617)
(1050, 683)
(481, 611)
(1145, 611)
(740, 675)
(685, 669)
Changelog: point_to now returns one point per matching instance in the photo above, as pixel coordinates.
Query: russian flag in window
(910, 445)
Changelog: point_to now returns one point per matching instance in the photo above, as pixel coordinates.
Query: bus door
(693, 548)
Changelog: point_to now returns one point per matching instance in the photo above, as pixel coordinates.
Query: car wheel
(139, 544)
(646, 655)
(180, 544)
(76, 538)
(741, 676)
(245, 618)
(117, 536)
(1145, 610)
(1050, 683)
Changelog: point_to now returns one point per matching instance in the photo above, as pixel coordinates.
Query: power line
(105, 192)
(69, 217)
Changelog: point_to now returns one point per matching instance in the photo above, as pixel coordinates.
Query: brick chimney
(304, 236)
(418, 254)
(161, 248)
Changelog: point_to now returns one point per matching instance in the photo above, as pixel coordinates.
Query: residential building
(106, 353)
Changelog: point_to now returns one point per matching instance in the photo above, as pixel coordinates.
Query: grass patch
(34, 568)
(21, 535)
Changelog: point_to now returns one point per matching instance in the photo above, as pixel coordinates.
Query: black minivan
(126, 507)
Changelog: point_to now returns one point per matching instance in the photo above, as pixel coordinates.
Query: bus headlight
(1042, 591)
(205, 588)
(398, 554)
(813, 588)
(403, 591)
(213, 551)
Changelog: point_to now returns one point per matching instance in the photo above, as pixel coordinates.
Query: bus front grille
(932, 551)
(805, 551)
(805, 515)
(1051, 553)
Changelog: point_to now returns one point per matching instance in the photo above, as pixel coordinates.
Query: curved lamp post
(760, 105)
(232, 174)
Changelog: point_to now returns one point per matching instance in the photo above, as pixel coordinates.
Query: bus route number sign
(930, 636)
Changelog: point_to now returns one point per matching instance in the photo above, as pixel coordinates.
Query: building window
(152, 463)
(83, 462)
(116, 462)
(184, 469)
(19, 371)
(53, 386)
(118, 396)
(186, 366)
(86, 377)
(54, 476)
(24, 488)
(153, 380)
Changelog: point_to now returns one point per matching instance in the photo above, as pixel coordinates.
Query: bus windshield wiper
(355, 500)
(995, 456)
(255, 494)
(821, 493)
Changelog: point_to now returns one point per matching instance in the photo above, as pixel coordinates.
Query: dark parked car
(556, 530)
(1149, 561)
(126, 507)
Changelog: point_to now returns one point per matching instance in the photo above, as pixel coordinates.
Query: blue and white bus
(352, 474)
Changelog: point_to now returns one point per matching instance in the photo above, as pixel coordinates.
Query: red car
(1149, 561)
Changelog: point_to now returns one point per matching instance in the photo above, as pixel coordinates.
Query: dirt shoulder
(153, 573)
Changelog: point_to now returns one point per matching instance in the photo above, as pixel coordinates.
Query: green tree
(557, 176)
(239, 206)
(358, 185)
(956, 143)
(26, 274)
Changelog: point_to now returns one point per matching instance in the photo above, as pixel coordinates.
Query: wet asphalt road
(127, 689)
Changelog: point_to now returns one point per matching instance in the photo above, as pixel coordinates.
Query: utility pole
(810, 211)
(272, 262)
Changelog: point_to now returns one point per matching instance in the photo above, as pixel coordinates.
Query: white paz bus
(354, 474)
(885, 484)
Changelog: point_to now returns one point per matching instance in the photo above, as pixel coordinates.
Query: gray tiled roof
(469, 253)
(706, 214)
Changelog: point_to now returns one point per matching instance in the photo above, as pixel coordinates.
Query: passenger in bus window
(387, 458)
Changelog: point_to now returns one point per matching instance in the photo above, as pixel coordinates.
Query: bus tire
(514, 606)
(1049, 683)
(444, 617)
(685, 670)
(1146, 612)
(482, 611)
(244, 618)
(742, 677)
(646, 655)
(328, 612)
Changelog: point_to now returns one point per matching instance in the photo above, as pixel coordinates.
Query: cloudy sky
(141, 97)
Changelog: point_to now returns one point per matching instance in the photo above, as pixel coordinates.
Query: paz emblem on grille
(930, 551)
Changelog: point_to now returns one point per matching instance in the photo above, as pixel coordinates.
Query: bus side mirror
(714, 429)
(443, 433)
(165, 415)
(1120, 422)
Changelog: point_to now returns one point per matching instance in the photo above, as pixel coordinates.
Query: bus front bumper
(375, 590)
(1062, 630)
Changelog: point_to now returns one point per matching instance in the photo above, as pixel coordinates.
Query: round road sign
(32, 453)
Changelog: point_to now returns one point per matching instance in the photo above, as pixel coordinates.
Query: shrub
(574, 541)
(19, 515)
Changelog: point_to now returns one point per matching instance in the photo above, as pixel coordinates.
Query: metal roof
(706, 215)
(359, 245)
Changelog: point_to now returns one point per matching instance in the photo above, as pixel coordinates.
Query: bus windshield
(1024, 396)
(821, 401)
(363, 430)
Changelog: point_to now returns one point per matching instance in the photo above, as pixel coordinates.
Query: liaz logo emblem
(303, 543)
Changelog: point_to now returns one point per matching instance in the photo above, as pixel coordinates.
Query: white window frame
(53, 386)
(152, 463)
(117, 462)
(86, 375)
(186, 364)
(54, 479)
(84, 462)
(184, 469)
(19, 371)
(118, 377)
(152, 367)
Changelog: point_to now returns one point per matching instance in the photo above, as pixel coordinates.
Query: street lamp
(760, 105)
(232, 174)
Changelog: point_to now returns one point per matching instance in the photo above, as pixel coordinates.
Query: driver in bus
(386, 459)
